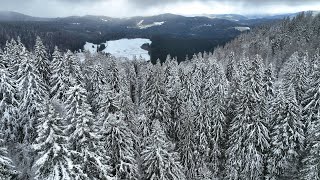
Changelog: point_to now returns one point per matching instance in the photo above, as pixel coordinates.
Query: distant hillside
(14, 16)
(171, 34)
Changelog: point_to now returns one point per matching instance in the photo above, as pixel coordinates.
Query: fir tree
(143, 129)
(42, 61)
(249, 135)
(73, 70)
(7, 171)
(173, 88)
(311, 111)
(53, 162)
(215, 127)
(118, 142)
(187, 144)
(2, 61)
(230, 70)
(58, 80)
(108, 103)
(159, 159)
(156, 101)
(33, 93)
(295, 73)
(9, 55)
(83, 141)
(114, 76)
(96, 82)
(286, 135)
(8, 106)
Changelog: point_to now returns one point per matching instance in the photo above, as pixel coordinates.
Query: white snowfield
(140, 25)
(242, 28)
(127, 48)
(92, 48)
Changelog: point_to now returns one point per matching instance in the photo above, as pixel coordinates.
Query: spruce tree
(120, 86)
(96, 80)
(9, 55)
(2, 60)
(287, 136)
(42, 61)
(108, 103)
(8, 106)
(231, 67)
(118, 141)
(7, 171)
(155, 99)
(114, 76)
(83, 142)
(214, 98)
(173, 87)
(159, 159)
(249, 136)
(53, 160)
(32, 94)
(143, 129)
(295, 72)
(58, 80)
(73, 70)
(311, 111)
(187, 144)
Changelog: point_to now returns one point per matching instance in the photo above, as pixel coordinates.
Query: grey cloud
(144, 3)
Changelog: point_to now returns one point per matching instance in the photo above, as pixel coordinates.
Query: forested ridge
(248, 110)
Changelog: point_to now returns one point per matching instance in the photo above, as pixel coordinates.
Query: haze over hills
(16, 16)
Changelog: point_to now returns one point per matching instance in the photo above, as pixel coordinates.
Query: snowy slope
(140, 25)
(127, 48)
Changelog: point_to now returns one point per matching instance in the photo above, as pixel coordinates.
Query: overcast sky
(127, 8)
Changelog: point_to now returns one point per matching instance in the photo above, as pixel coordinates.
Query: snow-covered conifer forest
(248, 110)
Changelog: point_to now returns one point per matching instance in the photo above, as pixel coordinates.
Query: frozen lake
(127, 48)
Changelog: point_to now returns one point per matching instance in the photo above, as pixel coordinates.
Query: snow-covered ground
(140, 25)
(242, 28)
(127, 48)
(92, 48)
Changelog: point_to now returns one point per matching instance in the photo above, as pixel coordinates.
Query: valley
(177, 35)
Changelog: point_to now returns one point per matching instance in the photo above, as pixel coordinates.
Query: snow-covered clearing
(242, 28)
(127, 48)
(92, 48)
(140, 25)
